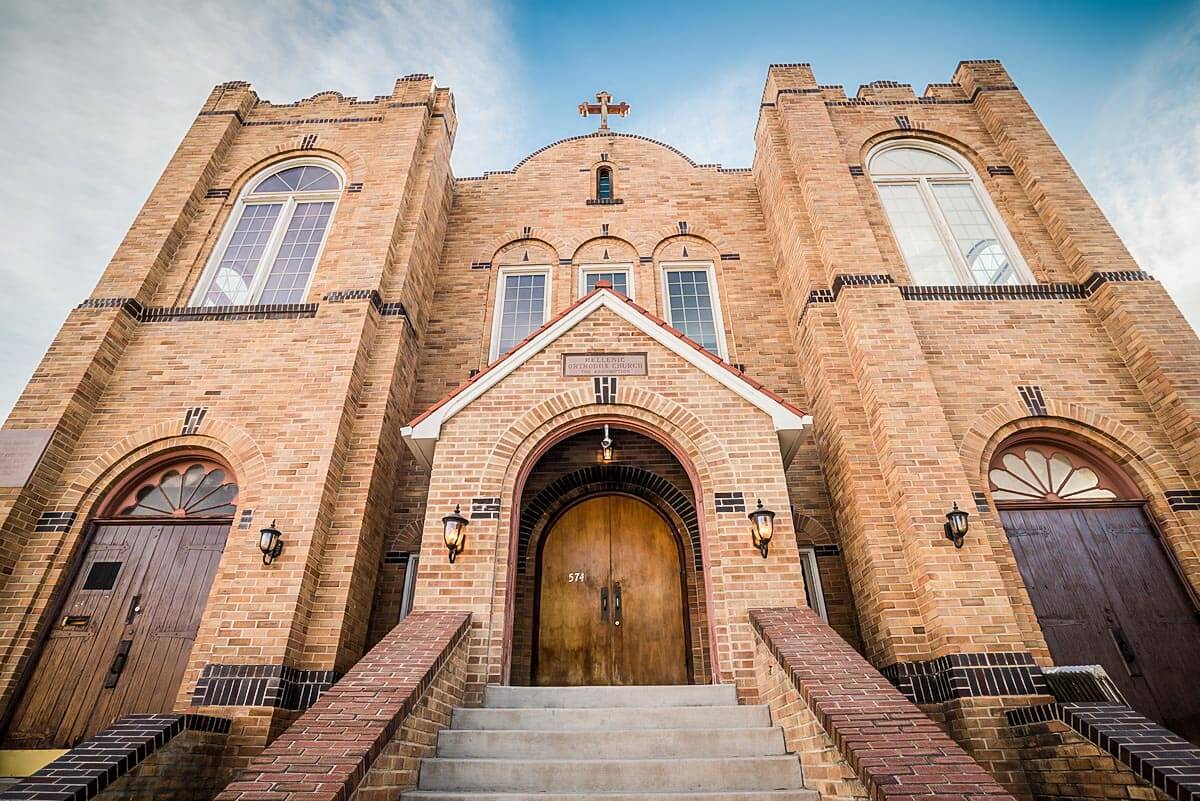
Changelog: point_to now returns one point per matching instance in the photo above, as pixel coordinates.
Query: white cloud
(712, 124)
(1144, 165)
(97, 96)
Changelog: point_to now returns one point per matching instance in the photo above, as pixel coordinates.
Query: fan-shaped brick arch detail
(698, 230)
(518, 235)
(608, 478)
(330, 147)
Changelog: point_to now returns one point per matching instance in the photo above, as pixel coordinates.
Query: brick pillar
(959, 595)
(1154, 340)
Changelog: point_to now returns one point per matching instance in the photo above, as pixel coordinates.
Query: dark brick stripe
(485, 508)
(893, 747)
(729, 502)
(55, 521)
(278, 686)
(1035, 401)
(90, 767)
(384, 308)
(170, 314)
(1185, 500)
(1158, 755)
(967, 676)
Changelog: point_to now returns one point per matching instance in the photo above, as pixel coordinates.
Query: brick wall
(1062, 764)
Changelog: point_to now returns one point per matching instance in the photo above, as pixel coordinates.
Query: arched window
(945, 224)
(604, 184)
(1045, 471)
(193, 487)
(270, 245)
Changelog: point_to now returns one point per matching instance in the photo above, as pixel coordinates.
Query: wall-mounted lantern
(957, 523)
(606, 446)
(454, 532)
(762, 528)
(270, 542)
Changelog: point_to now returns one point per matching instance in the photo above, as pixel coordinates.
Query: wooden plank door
(574, 608)
(648, 641)
(1105, 593)
(122, 642)
(610, 605)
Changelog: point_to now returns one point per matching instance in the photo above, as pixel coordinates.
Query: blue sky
(107, 89)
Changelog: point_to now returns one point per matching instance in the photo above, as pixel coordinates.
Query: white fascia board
(422, 438)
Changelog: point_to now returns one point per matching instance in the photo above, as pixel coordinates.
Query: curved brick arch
(602, 135)
(517, 235)
(610, 477)
(809, 530)
(870, 137)
(584, 241)
(330, 147)
(664, 235)
(516, 244)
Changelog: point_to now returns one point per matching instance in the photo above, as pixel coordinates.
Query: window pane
(619, 281)
(300, 179)
(523, 310)
(973, 232)
(604, 185)
(690, 301)
(912, 161)
(231, 284)
(923, 250)
(289, 274)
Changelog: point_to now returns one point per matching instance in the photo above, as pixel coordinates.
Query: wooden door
(610, 608)
(122, 641)
(1106, 593)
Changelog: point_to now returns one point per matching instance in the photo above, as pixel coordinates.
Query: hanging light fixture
(957, 523)
(454, 532)
(762, 528)
(270, 542)
(606, 446)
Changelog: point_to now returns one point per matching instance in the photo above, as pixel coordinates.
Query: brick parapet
(329, 750)
(894, 750)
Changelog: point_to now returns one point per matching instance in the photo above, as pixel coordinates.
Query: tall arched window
(604, 184)
(270, 246)
(945, 224)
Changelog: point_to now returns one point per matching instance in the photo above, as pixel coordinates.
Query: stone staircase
(611, 743)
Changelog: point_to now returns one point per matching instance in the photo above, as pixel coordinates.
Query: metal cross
(603, 107)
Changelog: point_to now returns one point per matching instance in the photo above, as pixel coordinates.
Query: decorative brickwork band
(1187, 500)
(276, 686)
(1000, 169)
(894, 749)
(170, 314)
(55, 521)
(729, 502)
(396, 558)
(92, 766)
(731, 257)
(320, 751)
(605, 388)
(355, 187)
(827, 550)
(981, 502)
(485, 508)
(217, 193)
(856, 170)
(192, 419)
(1159, 756)
(967, 676)
(246, 519)
(1033, 398)
(386, 309)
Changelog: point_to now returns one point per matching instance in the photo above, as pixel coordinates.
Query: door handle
(118, 664)
(616, 603)
(135, 606)
(604, 604)
(1126, 650)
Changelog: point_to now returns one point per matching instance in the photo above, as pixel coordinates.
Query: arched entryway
(1103, 586)
(609, 575)
(120, 643)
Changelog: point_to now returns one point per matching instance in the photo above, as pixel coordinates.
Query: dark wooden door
(122, 641)
(611, 599)
(1106, 593)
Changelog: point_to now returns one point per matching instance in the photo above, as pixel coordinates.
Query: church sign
(590, 364)
(20, 451)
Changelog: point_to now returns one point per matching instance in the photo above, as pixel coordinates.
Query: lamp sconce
(606, 446)
(454, 533)
(957, 524)
(270, 542)
(762, 528)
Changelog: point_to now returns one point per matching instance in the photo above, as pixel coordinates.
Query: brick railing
(331, 749)
(829, 699)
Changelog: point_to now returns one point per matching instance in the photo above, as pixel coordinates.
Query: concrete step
(752, 795)
(500, 697)
(612, 718)
(611, 744)
(611, 775)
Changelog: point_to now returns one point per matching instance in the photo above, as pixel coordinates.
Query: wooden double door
(1106, 593)
(611, 606)
(121, 643)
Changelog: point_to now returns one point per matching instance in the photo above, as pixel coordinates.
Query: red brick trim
(894, 749)
(326, 753)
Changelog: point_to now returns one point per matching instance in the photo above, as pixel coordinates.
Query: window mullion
(944, 233)
(272, 249)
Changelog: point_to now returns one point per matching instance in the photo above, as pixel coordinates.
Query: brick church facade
(233, 485)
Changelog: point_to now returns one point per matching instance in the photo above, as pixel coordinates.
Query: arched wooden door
(611, 603)
(1102, 585)
(121, 643)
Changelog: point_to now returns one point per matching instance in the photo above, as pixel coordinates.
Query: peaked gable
(790, 422)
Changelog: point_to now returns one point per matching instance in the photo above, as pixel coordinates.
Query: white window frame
(289, 200)
(809, 556)
(695, 266)
(616, 267)
(969, 177)
(502, 275)
(410, 585)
